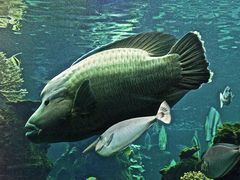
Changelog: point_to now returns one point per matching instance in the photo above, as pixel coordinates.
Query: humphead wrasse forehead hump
(118, 81)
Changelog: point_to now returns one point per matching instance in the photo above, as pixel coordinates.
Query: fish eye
(46, 102)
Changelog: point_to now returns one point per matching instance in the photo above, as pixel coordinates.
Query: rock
(20, 159)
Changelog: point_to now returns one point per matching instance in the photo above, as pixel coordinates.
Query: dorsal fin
(232, 146)
(155, 43)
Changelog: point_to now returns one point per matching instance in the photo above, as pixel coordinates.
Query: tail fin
(192, 61)
(163, 113)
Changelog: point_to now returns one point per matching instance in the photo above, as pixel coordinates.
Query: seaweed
(131, 162)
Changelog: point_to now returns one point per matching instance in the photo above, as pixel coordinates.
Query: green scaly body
(124, 75)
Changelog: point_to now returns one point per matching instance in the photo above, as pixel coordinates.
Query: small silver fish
(226, 97)
(120, 135)
(220, 159)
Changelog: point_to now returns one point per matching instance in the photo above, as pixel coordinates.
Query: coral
(193, 175)
(228, 133)
(11, 79)
(188, 162)
(175, 172)
(11, 14)
(131, 161)
(188, 152)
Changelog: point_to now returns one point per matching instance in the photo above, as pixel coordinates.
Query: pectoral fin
(103, 141)
(84, 101)
(109, 140)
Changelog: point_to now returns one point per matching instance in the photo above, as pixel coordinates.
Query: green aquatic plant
(11, 14)
(11, 79)
(131, 161)
(193, 175)
(188, 152)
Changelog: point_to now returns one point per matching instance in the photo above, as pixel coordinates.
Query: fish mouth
(32, 130)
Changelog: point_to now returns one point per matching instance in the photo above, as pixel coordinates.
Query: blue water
(55, 33)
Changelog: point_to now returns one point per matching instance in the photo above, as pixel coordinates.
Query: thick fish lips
(32, 130)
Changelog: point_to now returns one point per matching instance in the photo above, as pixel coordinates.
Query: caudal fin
(163, 113)
(192, 61)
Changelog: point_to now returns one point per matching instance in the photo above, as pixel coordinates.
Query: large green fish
(121, 80)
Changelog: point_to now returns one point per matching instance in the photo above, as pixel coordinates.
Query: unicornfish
(220, 159)
(122, 134)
